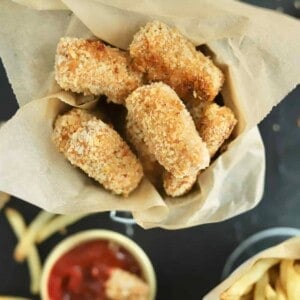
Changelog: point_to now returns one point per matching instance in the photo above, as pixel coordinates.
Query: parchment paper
(248, 43)
(42, 4)
(289, 249)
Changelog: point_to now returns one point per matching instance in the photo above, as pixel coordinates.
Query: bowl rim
(98, 234)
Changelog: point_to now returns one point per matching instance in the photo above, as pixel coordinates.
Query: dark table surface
(188, 262)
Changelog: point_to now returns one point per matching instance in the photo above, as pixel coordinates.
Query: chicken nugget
(90, 67)
(165, 55)
(215, 126)
(173, 186)
(66, 125)
(176, 187)
(99, 151)
(151, 167)
(168, 129)
(123, 285)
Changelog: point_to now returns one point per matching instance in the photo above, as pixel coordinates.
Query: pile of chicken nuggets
(172, 125)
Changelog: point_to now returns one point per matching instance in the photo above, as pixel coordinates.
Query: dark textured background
(188, 262)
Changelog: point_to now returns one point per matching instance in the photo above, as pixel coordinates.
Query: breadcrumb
(98, 150)
(176, 187)
(215, 126)
(123, 285)
(90, 67)
(165, 55)
(168, 129)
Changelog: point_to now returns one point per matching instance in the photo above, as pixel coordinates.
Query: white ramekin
(99, 234)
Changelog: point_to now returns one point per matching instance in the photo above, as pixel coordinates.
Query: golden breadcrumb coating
(151, 167)
(176, 187)
(168, 129)
(122, 285)
(173, 186)
(165, 55)
(66, 125)
(98, 150)
(215, 126)
(90, 67)
(4, 198)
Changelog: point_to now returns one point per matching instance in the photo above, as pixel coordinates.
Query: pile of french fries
(39, 230)
(268, 279)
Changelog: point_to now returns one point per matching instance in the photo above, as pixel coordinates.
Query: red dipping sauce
(80, 274)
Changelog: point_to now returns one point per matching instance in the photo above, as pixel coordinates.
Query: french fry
(260, 286)
(270, 293)
(292, 281)
(283, 273)
(279, 290)
(29, 236)
(34, 263)
(16, 221)
(4, 198)
(57, 224)
(240, 287)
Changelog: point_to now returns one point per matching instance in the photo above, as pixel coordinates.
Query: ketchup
(80, 274)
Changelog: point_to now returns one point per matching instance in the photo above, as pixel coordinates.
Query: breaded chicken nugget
(123, 285)
(151, 167)
(66, 125)
(168, 129)
(176, 187)
(215, 126)
(98, 150)
(165, 55)
(173, 186)
(90, 67)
